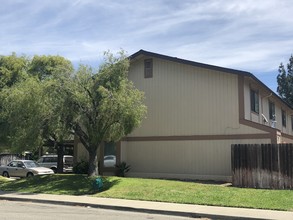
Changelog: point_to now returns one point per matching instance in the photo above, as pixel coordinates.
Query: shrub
(122, 168)
(81, 167)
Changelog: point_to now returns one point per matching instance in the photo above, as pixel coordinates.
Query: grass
(155, 190)
(51, 184)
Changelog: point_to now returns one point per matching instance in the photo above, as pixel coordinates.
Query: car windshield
(30, 164)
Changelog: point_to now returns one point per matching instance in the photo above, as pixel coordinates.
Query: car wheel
(5, 174)
(54, 169)
(29, 174)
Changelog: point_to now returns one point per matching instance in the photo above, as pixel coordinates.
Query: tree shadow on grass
(59, 184)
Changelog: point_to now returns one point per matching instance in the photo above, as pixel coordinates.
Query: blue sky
(250, 35)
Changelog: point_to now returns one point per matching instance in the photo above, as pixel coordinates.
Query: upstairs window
(272, 111)
(148, 68)
(283, 118)
(254, 101)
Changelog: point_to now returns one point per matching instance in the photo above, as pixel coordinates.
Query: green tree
(58, 124)
(96, 106)
(285, 82)
(37, 102)
(12, 69)
(22, 105)
(36, 114)
(106, 105)
(47, 66)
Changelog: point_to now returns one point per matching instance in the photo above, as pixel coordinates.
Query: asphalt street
(30, 211)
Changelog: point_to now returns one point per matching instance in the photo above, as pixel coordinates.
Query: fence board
(6, 158)
(262, 166)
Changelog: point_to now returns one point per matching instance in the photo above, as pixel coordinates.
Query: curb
(130, 209)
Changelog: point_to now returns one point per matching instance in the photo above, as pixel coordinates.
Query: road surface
(30, 211)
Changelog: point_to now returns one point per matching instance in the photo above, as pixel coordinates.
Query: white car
(23, 168)
(109, 161)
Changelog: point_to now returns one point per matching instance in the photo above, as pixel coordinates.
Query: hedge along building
(195, 112)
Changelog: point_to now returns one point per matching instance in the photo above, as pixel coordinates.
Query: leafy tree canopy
(46, 66)
(30, 107)
(97, 106)
(285, 82)
(106, 105)
(24, 108)
(12, 69)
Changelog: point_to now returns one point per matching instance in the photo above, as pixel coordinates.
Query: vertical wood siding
(184, 159)
(185, 100)
(264, 97)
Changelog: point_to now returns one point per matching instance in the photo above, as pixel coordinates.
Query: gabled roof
(206, 66)
(188, 62)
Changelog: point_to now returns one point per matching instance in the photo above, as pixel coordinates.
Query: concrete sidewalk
(212, 212)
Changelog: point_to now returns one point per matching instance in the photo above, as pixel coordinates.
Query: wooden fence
(6, 158)
(262, 166)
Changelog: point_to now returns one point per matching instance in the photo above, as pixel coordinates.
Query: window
(50, 159)
(254, 101)
(292, 122)
(283, 118)
(110, 154)
(20, 164)
(13, 164)
(148, 68)
(272, 111)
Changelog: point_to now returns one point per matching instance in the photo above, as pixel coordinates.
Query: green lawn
(155, 190)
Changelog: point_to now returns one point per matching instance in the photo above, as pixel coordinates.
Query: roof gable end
(206, 66)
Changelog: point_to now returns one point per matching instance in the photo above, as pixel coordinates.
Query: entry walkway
(212, 212)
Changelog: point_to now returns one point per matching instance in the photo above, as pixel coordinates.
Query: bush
(81, 167)
(122, 168)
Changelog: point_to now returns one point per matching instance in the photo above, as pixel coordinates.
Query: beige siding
(249, 115)
(247, 107)
(264, 97)
(82, 153)
(185, 100)
(286, 140)
(181, 159)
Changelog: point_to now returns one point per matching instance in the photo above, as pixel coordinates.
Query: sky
(250, 35)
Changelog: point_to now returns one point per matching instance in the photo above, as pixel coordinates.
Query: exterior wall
(266, 96)
(82, 153)
(194, 115)
(205, 160)
(187, 100)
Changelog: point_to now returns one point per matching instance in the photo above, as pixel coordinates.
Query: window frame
(148, 68)
(114, 152)
(254, 101)
(272, 111)
(284, 118)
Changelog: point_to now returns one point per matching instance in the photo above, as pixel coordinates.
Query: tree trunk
(60, 153)
(93, 168)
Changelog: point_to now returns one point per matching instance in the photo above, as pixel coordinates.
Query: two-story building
(195, 113)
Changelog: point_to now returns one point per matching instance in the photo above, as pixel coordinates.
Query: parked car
(50, 161)
(109, 161)
(23, 168)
